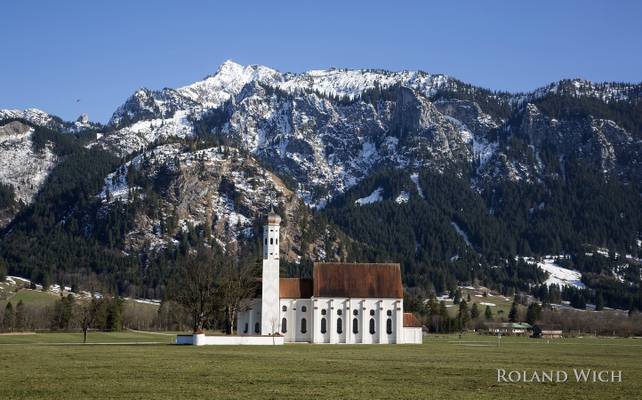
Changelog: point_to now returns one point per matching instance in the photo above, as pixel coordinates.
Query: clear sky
(55, 53)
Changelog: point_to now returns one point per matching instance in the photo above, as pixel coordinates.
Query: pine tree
(20, 316)
(115, 315)
(474, 311)
(457, 297)
(599, 301)
(463, 315)
(9, 318)
(488, 313)
(3, 270)
(512, 315)
(533, 313)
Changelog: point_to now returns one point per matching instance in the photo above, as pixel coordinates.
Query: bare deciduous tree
(236, 283)
(195, 286)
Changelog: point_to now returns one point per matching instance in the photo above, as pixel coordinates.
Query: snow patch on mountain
(461, 233)
(374, 197)
(415, 178)
(557, 275)
(20, 166)
(227, 82)
(142, 133)
(33, 115)
(402, 198)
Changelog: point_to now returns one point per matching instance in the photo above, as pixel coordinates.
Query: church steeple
(270, 277)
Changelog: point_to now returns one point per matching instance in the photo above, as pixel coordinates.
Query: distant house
(551, 334)
(509, 328)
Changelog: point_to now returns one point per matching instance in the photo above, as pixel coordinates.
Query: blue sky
(54, 53)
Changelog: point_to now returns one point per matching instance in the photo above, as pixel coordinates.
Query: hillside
(454, 181)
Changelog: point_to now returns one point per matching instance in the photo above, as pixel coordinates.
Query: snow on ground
(20, 166)
(403, 197)
(56, 289)
(415, 178)
(373, 197)
(558, 275)
(461, 233)
(483, 303)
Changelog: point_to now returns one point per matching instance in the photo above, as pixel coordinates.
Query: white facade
(270, 279)
(203, 340)
(320, 319)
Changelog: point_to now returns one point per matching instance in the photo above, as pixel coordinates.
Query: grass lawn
(442, 368)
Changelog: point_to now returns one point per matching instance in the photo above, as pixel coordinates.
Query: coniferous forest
(455, 226)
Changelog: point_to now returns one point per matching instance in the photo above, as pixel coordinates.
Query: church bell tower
(270, 322)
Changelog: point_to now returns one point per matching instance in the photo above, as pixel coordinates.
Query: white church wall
(296, 311)
(247, 320)
(363, 311)
(412, 335)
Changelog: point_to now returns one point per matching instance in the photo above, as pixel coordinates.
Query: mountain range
(454, 181)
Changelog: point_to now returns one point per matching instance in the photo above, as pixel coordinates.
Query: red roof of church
(410, 321)
(360, 280)
(295, 288)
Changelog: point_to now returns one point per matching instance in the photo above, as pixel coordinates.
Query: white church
(342, 303)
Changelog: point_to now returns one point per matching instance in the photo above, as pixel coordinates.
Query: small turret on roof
(273, 218)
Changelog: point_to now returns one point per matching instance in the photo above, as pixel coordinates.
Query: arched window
(247, 328)
(257, 328)
(389, 313)
(323, 327)
(372, 326)
(284, 308)
(266, 241)
(389, 326)
(276, 241)
(355, 326)
(284, 325)
(271, 240)
(304, 325)
(304, 309)
(339, 326)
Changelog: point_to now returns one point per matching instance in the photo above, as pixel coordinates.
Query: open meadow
(144, 366)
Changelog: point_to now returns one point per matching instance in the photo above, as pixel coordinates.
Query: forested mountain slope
(454, 181)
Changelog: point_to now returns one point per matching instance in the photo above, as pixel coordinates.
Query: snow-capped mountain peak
(228, 81)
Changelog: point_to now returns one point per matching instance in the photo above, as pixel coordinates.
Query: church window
(355, 312)
(389, 326)
(276, 241)
(304, 325)
(339, 326)
(339, 312)
(389, 313)
(271, 240)
(372, 326)
(284, 308)
(266, 241)
(355, 326)
(372, 312)
(257, 328)
(323, 312)
(304, 309)
(323, 326)
(247, 328)
(284, 325)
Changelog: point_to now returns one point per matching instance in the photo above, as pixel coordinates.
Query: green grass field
(43, 367)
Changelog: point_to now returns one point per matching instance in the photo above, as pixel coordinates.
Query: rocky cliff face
(321, 132)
